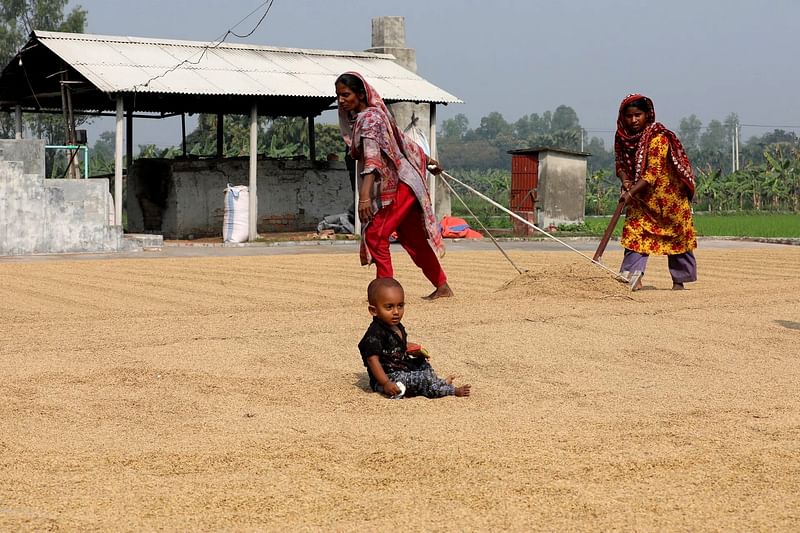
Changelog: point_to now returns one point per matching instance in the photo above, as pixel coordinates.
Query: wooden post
(74, 169)
(67, 130)
(252, 187)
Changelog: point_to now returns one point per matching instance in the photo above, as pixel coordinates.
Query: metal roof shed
(154, 78)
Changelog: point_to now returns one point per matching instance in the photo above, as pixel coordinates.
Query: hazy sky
(703, 57)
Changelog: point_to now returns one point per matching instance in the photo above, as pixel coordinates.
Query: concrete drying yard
(190, 391)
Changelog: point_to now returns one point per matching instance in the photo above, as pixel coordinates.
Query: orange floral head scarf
(630, 149)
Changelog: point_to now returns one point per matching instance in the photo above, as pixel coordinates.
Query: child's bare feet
(463, 390)
(443, 291)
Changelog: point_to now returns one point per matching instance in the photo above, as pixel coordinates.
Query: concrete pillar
(118, 163)
(129, 141)
(389, 37)
(356, 192)
(389, 31)
(18, 115)
(432, 181)
(183, 133)
(312, 140)
(220, 136)
(251, 189)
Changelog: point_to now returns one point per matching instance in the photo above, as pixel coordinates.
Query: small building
(134, 78)
(548, 186)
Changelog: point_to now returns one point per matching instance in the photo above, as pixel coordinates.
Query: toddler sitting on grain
(392, 369)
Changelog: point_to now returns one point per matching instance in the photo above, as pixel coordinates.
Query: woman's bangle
(363, 201)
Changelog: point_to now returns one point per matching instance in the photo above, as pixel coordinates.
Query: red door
(524, 180)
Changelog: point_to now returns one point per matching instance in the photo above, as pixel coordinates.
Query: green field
(785, 225)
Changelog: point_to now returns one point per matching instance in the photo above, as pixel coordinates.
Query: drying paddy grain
(228, 394)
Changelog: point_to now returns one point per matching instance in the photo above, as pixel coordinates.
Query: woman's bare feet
(443, 291)
(463, 390)
(635, 281)
(677, 286)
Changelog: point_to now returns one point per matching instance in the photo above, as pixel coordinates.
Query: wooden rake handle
(609, 230)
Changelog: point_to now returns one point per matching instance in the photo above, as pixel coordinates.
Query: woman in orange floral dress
(657, 186)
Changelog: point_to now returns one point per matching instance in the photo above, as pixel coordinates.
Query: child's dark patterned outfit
(392, 351)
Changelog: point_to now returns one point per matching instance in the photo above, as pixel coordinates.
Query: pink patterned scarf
(377, 123)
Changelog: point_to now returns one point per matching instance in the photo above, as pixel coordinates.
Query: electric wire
(257, 24)
(770, 125)
(211, 46)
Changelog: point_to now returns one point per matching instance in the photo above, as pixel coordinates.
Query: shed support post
(129, 141)
(356, 192)
(434, 155)
(118, 163)
(252, 186)
(183, 134)
(18, 115)
(220, 135)
(312, 141)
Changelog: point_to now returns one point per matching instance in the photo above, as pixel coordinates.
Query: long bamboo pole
(534, 226)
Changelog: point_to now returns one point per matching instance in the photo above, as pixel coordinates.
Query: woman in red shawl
(657, 186)
(393, 195)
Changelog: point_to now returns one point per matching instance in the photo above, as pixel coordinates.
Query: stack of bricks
(278, 223)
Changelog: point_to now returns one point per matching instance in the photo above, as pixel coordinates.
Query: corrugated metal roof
(117, 64)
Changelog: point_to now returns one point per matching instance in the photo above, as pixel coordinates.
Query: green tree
(287, 137)
(715, 147)
(564, 119)
(470, 154)
(708, 189)
(782, 176)
(601, 158)
(689, 133)
(101, 155)
(602, 191)
(752, 151)
(567, 139)
(541, 125)
(329, 140)
(529, 126)
(455, 128)
(493, 125)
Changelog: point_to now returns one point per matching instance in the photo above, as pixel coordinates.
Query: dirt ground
(228, 394)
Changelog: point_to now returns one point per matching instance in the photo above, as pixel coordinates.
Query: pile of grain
(575, 280)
